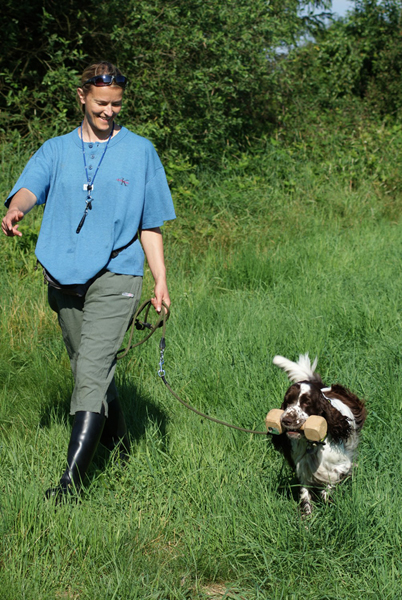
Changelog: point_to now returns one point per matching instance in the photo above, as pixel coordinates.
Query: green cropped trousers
(93, 329)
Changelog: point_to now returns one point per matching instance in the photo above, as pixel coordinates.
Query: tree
(359, 57)
(202, 72)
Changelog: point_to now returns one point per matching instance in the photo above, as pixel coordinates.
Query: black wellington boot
(115, 431)
(85, 435)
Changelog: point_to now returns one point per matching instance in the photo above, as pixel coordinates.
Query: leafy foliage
(202, 72)
(358, 57)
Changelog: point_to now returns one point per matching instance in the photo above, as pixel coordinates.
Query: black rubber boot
(115, 431)
(85, 436)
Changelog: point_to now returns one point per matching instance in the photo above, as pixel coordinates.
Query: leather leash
(161, 322)
(142, 325)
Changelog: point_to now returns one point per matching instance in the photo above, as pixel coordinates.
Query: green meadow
(295, 248)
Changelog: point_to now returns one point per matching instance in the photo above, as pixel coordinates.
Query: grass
(201, 511)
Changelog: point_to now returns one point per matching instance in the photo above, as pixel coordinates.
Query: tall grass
(202, 511)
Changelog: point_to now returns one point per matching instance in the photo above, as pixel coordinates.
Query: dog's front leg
(326, 493)
(306, 505)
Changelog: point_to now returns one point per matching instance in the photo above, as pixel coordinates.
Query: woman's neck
(90, 134)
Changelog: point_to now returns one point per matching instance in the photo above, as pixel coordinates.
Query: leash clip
(313, 445)
(161, 371)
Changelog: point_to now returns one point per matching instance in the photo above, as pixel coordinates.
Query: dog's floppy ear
(355, 404)
(339, 426)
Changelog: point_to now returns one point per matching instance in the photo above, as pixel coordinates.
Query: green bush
(202, 72)
(357, 58)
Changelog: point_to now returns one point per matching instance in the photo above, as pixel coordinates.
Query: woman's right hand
(21, 203)
(11, 221)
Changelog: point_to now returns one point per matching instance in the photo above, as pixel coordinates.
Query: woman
(101, 185)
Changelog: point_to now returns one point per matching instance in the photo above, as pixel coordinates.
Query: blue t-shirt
(130, 192)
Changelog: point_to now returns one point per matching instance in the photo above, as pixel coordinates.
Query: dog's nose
(287, 420)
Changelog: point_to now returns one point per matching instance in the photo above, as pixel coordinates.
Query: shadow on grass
(139, 410)
(289, 487)
(285, 483)
(55, 411)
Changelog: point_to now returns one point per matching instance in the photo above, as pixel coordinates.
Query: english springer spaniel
(317, 465)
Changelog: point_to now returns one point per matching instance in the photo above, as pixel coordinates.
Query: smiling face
(102, 105)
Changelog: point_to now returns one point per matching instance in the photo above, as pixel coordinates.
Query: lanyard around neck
(90, 184)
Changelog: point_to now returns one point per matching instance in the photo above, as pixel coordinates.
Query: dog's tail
(302, 370)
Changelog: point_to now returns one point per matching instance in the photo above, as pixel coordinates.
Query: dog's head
(302, 400)
(307, 398)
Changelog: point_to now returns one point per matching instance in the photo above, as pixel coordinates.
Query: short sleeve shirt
(130, 192)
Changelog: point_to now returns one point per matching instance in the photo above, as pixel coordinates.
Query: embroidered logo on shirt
(123, 181)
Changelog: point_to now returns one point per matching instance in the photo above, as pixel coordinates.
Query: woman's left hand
(161, 295)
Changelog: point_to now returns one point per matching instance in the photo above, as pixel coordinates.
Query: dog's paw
(326, 494)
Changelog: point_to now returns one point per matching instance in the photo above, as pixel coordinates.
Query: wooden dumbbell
(273, 421)
(315, 428)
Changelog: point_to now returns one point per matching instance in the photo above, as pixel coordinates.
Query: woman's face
(102, 105)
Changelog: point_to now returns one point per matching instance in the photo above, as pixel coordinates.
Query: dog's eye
(305, 401)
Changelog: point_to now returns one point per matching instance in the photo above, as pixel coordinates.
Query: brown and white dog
(320, 465)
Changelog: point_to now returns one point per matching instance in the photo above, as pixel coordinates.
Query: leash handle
(141, 325)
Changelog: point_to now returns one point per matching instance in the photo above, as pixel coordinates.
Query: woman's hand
(21, 203)
(11, 221)
(161, 295)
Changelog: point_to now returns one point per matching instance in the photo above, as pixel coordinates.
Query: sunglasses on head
(102, 80)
